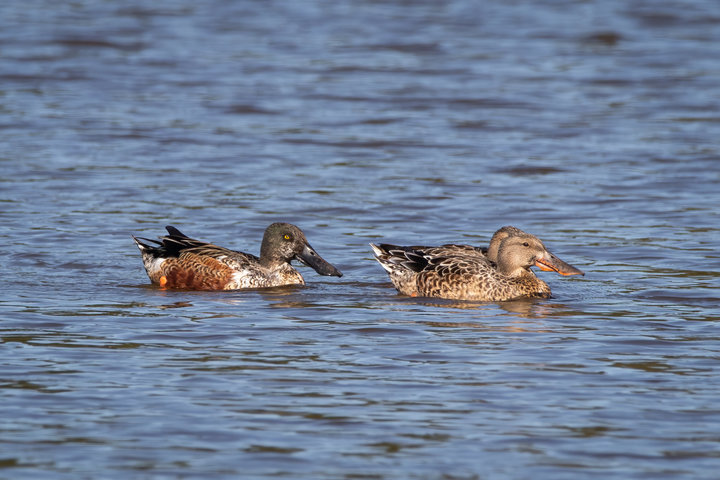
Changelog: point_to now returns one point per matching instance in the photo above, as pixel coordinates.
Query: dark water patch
(695, 119)
(370, 144)
(364, 68)
(88, 42)
(419, 48)
(606, 38)
(530, 170)
(143, 11)
(250, 110)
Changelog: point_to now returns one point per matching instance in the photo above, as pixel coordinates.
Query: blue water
(593, 125)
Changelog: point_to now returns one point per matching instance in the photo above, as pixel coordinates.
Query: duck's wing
(448, 250)
(459, 276)
(442, 259)
(177, 244)
(458, 262)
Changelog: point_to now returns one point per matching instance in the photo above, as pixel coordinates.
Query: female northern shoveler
(182, 262)
(463, 272)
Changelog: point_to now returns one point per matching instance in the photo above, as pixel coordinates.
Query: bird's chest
(287, 275)
(260, 277)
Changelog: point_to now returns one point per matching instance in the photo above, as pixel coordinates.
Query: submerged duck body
(178, 261)
(464, 272)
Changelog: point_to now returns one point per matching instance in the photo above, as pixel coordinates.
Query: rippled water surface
(593, 125)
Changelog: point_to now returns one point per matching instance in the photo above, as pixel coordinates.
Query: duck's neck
(272, 260)
(271, 263)
(492, 251)
(270, 255)
(512, 271)
(266, 251)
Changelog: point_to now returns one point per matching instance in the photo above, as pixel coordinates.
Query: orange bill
(550, 263)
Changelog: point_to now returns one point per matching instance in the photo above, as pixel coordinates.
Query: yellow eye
(286, 236)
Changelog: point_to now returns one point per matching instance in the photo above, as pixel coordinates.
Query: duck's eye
(526, 244)
(287, 237)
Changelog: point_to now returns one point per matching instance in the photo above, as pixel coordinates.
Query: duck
(178, 261)
(497, 273)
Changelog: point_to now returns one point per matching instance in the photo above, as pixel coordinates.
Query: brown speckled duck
(178, 261)
(463, 272)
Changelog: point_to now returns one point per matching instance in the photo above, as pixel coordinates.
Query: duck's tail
(395, 257)
(168, 246)
(144, 244)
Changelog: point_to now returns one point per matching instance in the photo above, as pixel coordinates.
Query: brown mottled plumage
(179, 261)
(463, 272)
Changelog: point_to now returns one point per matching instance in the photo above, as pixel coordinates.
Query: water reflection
(181, 304)
(523, 307)
(513, 326)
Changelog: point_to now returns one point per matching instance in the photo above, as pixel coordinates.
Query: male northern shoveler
(463, 272)
(179, 261)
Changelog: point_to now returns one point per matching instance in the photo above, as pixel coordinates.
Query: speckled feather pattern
(460, 272)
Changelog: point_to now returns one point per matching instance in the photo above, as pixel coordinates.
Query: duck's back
(471, 277)
(450, 250)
